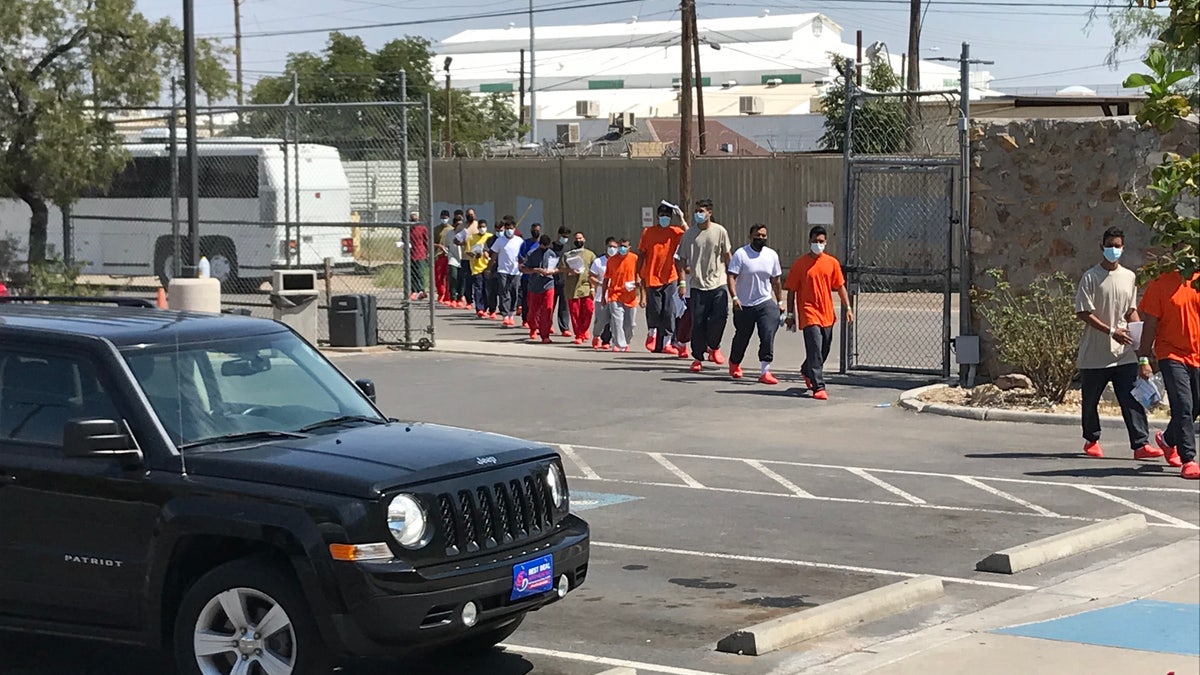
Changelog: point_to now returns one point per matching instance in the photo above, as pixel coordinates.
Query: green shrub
(55, 276)
(1035, 329)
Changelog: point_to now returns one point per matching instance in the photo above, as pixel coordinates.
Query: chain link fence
(341, 189)
(901, 162)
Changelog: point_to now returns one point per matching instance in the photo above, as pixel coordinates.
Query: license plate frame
(532, 577)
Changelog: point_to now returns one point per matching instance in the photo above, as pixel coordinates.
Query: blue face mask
(1112, 254)
(612, 250)
(699, 218)
(622, 250)
(664, 221)
(562, 240)
(508, 234)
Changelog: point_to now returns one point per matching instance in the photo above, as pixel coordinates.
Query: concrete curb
(805, 625)
(910, 400)
(1087, 538)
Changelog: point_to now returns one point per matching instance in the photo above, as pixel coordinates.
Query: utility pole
(914, 45)
(685, 107)
(449, 111)
(533, 132)
(237, 46)
(702, 128)
(521, 101)
(189, 104)
(858, 64)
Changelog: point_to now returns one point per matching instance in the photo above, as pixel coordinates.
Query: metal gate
(900, 216)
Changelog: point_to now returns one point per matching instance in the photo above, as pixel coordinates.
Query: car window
(40, 393)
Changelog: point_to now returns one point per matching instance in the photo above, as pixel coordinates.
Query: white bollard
(195, 295)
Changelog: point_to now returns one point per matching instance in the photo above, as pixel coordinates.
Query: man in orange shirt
(658, 274)
(1171, 311)
(813, 279)
(623, 294)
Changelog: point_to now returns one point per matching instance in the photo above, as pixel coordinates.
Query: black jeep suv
(212, 484)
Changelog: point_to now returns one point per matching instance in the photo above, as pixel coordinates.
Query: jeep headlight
(407, 522)
(558, 486)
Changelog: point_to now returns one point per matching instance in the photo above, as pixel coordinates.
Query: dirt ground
(988, 396)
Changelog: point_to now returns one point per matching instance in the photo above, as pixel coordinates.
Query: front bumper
(395, 609)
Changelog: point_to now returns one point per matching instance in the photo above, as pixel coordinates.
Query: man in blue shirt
(530, 245)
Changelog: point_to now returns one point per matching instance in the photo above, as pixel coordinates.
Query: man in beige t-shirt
(1106, 302)
(703, 255)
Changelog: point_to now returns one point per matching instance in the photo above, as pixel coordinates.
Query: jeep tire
(224, 615)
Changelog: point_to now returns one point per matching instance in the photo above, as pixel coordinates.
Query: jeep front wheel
(247, 618)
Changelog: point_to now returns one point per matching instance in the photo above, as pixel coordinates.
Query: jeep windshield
(246, 390)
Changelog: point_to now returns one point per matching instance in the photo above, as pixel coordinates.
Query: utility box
(353, 321)
(294, 301)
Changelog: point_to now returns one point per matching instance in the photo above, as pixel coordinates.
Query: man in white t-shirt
(754, 284)
(507, 251)
(452, 241)
(601, 331)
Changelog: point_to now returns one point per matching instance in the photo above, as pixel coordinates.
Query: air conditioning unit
(587, 109)
(568, 134)
(621, 120)
(729, 84)
(774, 82)
(751, 105)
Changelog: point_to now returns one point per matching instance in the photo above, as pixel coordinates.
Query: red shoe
(533, 335)
(624, 350)
(595, 343)
(1093, 449)
(578, 340)
(683, 352)
(716, 356)
(768, 378)
(413, 296)
(1191, 471)
(492, 316)
(524, 324)
(670, 350)
(606, 347)
(481, 314)
(650, 340)
(1170, 454)
(697, 366)
(1147, 452)
(566, 333)
(821, 395)
(735, 371)
(508, 322)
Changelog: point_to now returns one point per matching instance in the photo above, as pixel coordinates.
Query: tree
(1138, 28)
(61, 63)
(879, 124)
(347, 72)
(1167, 206)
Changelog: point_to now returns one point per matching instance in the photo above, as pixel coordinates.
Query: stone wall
(1043, 191)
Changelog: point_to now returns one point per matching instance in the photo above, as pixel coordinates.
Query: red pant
(441, 278)
(540, 308)
(582, 311)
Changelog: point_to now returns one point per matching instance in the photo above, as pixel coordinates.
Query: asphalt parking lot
(718, 504)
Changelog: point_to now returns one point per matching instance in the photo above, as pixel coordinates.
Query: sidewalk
(1138, 616)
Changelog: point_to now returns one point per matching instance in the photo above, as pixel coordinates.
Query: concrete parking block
(1087, 538)
(863, 607)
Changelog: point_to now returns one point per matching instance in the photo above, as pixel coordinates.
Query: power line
(1063, 71)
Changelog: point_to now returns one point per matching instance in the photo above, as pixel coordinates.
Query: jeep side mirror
(367, 387)
(100, 438)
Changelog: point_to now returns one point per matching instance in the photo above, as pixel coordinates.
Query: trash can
(353, 321)
(294, 301)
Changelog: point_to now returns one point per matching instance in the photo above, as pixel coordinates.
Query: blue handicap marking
(1144, 625)
(582, 501)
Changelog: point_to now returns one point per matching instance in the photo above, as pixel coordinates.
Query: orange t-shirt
(814, 280)
(659, 245)
(622, 270)
(1176, 305)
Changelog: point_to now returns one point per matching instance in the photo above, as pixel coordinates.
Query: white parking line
(678, 472)
(603, 660)
(1170, 520)
(1004, 495)
(862, 473)
(587, 470)
(792, 487)
(809, 564)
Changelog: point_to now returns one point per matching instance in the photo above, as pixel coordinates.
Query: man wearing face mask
(1106, 302)
(622, 291)
(754, 274)
(657, 249)
(811, 283)
(542, 268)
(562, 309)
(441, 264)
(506, 249)
(578, 287)
(418, 262)
(478, 252)
(704, 252)
(535, 234)
(602, 328)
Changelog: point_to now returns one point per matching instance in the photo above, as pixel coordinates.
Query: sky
(1037, 47)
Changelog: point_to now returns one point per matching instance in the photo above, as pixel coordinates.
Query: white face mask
(817, 249)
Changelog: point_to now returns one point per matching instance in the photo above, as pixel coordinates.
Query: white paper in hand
(1146, 393)
(1135, 332)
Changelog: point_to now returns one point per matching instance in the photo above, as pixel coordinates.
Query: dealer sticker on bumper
(533, 577)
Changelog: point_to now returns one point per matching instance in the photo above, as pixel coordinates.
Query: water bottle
(204, 270)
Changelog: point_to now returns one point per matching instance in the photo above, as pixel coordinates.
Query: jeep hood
(367, 460)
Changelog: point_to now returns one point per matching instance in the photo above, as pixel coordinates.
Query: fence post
(427, 205)
(295, 110)
(847, 215)
(406, 233)
(173, 154)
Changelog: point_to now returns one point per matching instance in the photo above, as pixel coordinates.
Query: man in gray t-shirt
(1106, 302)
(703, 255)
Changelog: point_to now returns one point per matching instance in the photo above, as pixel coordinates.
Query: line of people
(684, 273)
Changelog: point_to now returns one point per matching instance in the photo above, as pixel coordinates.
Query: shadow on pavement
(1108, 472)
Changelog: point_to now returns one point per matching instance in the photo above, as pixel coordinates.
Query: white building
(596, 70)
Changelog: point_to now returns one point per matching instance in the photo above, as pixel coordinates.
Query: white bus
(247, 226)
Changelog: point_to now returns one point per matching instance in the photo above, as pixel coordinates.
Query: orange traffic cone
(161, 301)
